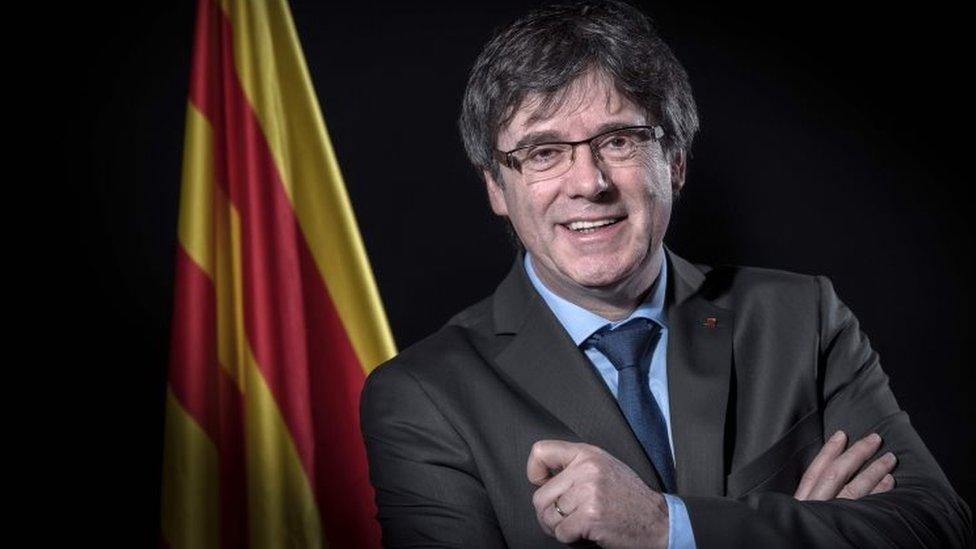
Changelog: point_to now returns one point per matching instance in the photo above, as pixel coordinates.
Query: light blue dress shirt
(581, 324)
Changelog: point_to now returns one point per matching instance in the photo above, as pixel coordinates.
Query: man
(609, 391)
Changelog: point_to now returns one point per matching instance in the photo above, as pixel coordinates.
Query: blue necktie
(627, 347)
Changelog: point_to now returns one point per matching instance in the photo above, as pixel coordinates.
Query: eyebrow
(552, 136)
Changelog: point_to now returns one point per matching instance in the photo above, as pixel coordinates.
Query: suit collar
(512, 299)
(544, 362)
(686, 279)
(699, 372)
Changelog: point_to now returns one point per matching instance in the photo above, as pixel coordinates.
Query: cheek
(527, 214)
(656, 172)
(533, 207)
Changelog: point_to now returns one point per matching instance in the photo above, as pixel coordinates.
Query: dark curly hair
(548, 49)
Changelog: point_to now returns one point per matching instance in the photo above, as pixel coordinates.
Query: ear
(496, 195)
(677, 167)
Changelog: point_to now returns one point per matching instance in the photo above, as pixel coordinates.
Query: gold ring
(562, 513)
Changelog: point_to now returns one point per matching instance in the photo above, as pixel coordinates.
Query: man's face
(621, 257)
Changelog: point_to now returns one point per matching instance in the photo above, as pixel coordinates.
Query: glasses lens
(623, 145)
(545, 161)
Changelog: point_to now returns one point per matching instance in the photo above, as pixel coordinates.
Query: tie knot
(628, 343)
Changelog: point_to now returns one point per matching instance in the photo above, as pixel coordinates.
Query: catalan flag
(276, 315)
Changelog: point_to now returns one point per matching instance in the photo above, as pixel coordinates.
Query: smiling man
(593, 212)
(609, 391)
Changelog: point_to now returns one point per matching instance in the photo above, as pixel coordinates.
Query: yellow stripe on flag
(190, 510)
(281, 503)
(229, 289)
(295, 130)
(280, 497)
(195, 227)
(210, 232)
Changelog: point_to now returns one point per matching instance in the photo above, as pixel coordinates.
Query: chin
(601, 273)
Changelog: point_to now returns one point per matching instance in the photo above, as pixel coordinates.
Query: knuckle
(867, 443)
(879, 467)
(590, 467)
(537, 448)
(537, 499)
(586, 450)
(584, 491)
(831, 474)
(565, 534)
(534, 455)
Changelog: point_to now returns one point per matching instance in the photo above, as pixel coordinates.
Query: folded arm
(922, 510)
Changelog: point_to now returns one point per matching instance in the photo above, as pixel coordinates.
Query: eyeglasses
(615, 148)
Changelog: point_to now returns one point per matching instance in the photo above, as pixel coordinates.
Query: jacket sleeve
(921, 511)
(428, 492)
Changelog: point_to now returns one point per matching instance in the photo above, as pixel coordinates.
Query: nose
(586, 177)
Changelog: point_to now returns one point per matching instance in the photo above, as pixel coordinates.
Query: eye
(542, 157)
(618, 143)
(623, 144)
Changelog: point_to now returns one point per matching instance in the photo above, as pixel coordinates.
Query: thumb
(548, 456)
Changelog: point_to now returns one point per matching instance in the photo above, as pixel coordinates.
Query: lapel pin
(710, 322)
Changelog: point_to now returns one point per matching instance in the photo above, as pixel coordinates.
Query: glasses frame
(506, 158)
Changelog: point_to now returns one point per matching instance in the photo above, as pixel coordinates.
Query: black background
(835, 140)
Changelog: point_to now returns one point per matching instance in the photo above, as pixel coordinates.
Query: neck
(616, 301)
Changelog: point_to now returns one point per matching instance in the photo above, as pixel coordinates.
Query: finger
(865, 481)
(575, 497)
(571, 528)
(547, 456)
(549, 517)
(887, 483)
(843, 468)
(553, 488)
(544, 498)
(831, 449)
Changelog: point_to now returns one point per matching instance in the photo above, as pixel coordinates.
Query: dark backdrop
(835, 140)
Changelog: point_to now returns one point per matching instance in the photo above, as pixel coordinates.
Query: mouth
(592, 226)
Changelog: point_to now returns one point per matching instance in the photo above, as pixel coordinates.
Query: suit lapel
(542, 360)
(699, 369)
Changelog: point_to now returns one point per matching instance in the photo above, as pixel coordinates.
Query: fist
(587, 494)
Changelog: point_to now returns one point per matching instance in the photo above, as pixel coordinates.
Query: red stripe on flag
(207, 393)
(298, 339)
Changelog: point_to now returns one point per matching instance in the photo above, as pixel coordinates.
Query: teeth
(583, 225)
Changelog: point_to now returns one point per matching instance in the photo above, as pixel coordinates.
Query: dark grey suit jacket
(762, 366)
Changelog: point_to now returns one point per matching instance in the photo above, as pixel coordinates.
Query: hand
(601, 499)
(827, 476)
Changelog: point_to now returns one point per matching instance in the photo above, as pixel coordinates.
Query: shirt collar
(581, 323)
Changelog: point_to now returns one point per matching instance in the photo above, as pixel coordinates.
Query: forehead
(573, 112)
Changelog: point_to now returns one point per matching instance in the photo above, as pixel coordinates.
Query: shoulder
(746, 279)
(773, 299)
(761, 297)
(734, 286)
(458, 350)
